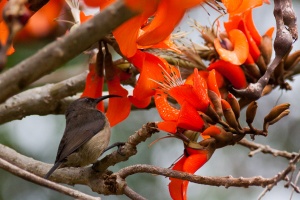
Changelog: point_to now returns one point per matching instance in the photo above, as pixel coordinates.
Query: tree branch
(43, 182)
(62, 50)
(282, 175)
(227, 181)
(255, 148)
(114, 183)
(132, 194)
(127, 150)
(41, 100)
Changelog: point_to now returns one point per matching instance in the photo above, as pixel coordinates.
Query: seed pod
(251, 112)
(253, 70)
(291, 60)
(234, 105)
(207, 119)
(222, 137)
(266, 48)
(283, 114)
(267, 89)
(261, 64)
(216, 101)
(279, 72)
(276, 111)
(212, 114)
(229, 115)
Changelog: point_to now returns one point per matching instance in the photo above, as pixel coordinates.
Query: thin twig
(132, 194)
(254, 147)
(43, 182)
(282, 175)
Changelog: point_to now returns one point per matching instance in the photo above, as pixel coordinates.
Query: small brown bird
(86, 135)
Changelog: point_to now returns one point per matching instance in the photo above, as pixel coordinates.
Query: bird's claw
(117, 144)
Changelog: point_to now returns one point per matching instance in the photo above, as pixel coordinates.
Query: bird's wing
(78, 131)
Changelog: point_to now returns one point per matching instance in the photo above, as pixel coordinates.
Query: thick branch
(227, 181)
(127, 150)
(41, 100)
(62, 50)
(43, 182)
(132, 194)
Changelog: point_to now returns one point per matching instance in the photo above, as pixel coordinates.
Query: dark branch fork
(286, 34)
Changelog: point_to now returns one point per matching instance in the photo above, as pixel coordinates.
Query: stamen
(171, 79)
(74, 5)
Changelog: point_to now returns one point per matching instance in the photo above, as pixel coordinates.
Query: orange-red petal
(211, 131)
(94, 83)
(251, 27)
(118, 108)
(126, 35)
(253, 48)
(269, 32)
(189, 118)
(190, 164)
(246, 5)
(98, 3)
(195, 161)
(212, 82)
(43, 22)
(140, 103)
(233, 73)
(232, 5)
(175, 186)
(200, 89)
(240, 51)
(158, 29)
(3, 37)
(151, 70)
(168, 126)
(142, 5)
(165, 110)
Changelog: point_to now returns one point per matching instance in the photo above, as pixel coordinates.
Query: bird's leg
(286, 34)
(117, 144)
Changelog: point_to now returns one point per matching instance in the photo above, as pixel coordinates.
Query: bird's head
(86, 102)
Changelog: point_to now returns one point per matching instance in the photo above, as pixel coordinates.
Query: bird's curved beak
(105, 97)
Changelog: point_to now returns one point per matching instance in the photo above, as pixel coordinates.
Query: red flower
(138, 32)
(246, 43)
(191, 98)
(190, 162)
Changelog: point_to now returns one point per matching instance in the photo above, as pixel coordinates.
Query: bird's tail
(55, 166)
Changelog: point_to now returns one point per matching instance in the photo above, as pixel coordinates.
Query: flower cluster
(202, 108)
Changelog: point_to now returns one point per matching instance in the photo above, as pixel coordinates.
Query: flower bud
(229, 115)
(212, 114)
(261, 64)
(253, 70)
(251, 112)
(216, 101)
(276, 111)
(234, 105)
(266, 48)
(292, 60)
(283, 114)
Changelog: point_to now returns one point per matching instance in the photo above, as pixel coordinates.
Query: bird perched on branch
(86, 135)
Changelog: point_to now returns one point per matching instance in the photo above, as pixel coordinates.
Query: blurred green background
(38, 137)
